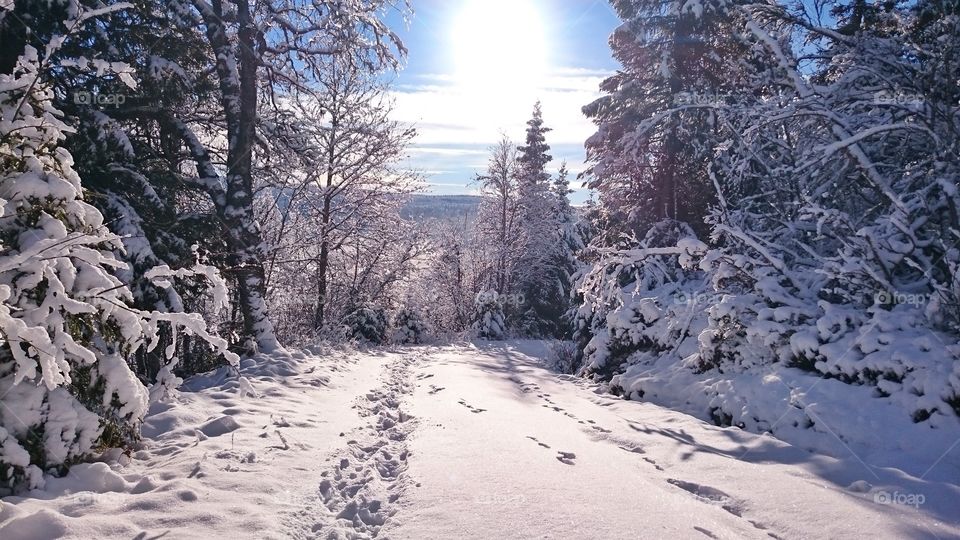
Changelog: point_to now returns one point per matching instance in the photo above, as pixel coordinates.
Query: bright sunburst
(499, 46)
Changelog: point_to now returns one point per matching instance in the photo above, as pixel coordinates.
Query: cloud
(452, 114)
(446, 151)
(456, 125)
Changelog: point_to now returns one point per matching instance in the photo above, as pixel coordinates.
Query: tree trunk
(323, 262)
(243, 232)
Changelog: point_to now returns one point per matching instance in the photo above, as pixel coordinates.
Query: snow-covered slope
(220, 462)
(466, 441)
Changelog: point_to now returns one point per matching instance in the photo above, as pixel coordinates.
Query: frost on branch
(65, 316)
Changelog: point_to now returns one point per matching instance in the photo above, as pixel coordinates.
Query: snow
(473, 440)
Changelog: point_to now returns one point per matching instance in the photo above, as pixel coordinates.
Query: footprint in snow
(704, 492)
(471, 407)
(534, 439)
(566, 457)
(654, 463)
(709, 494)
(706, 532)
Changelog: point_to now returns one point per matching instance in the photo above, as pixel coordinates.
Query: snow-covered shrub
(637, 299)
(563, 356)
(488, 318)
(409, 327)
(66, 321)
(834, 241)
(732, 314)
(366, 324)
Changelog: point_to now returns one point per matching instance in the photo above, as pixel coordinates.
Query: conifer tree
(542, 282)
(657, 125)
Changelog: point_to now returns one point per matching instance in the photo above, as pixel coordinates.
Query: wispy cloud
(457, 125)
(446, 151)
(450, 114)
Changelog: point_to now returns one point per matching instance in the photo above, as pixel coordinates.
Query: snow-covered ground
(462, 441)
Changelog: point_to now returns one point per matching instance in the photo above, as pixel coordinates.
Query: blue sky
(476, 67)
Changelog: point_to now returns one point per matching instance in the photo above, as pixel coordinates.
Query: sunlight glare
(499, 47)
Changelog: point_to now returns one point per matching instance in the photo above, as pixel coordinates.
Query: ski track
(359, 491)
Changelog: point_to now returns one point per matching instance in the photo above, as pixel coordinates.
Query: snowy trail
(362, 485)
(505, 448)
(467, 441)
(217, 464)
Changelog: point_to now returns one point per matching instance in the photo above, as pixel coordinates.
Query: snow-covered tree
(542, 278)
(565, 260)
(409, 327)
(343, 198)
(458, 268)
(488, 318)
(366, 324)
(656, 126)
(498, 225)
(67, 323)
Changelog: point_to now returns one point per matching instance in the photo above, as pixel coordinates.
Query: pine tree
(133, 170)
(561, 193)
(564, 259)
(488, 317)
(409, 327)
(542, 280)
(657, 126)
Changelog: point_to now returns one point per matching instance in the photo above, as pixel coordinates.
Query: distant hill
(442, 207)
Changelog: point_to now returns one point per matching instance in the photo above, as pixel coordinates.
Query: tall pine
(657, 125)
(540, 287)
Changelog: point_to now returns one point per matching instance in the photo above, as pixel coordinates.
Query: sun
(499, 46)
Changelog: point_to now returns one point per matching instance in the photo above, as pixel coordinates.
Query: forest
(770, 241)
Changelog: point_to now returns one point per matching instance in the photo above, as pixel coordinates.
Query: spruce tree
(657, 122)
(539, 287)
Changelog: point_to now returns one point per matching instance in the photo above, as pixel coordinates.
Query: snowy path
(505, 448)
(462, 442)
